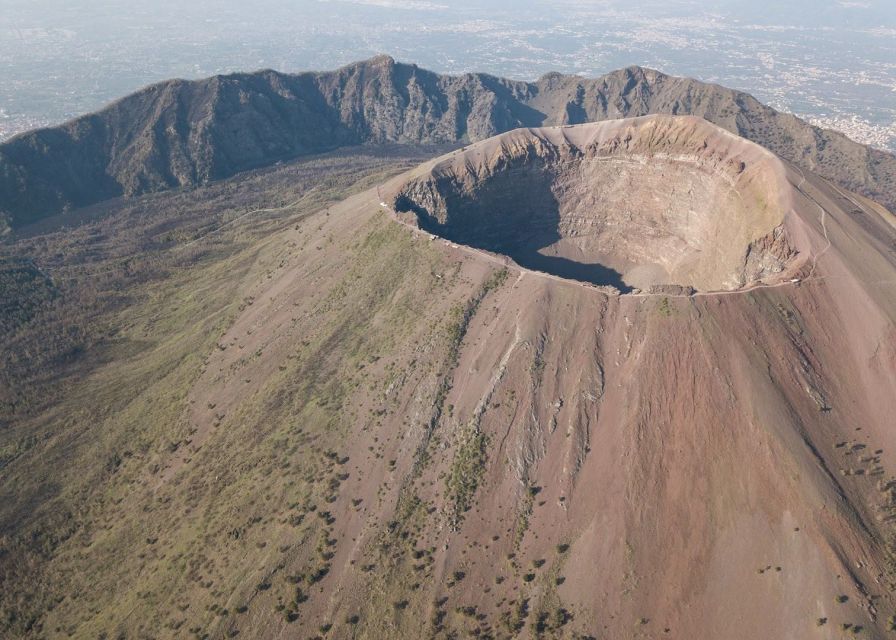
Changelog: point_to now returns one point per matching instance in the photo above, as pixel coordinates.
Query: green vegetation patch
(466, 471)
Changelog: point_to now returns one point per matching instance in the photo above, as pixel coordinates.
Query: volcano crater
(631, 204)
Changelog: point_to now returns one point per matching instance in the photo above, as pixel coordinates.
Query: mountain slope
(339, 426)
(180, 133)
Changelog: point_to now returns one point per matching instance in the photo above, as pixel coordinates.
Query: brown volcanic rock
(658, 200)
(181, 133)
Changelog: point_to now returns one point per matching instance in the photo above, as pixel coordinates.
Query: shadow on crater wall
(516, 214)
(594, 273)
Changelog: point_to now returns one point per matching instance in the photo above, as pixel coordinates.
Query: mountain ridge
(184, 133)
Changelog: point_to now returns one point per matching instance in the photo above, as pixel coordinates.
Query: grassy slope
(91, 541)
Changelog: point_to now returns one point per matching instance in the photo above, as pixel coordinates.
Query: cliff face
(181, 134)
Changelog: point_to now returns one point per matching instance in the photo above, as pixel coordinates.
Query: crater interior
(636, 203)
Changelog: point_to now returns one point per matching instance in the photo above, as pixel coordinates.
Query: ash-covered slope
(657, 200)
(349, 429)
(181, 133)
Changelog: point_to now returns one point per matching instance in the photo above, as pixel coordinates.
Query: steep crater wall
(632, 203)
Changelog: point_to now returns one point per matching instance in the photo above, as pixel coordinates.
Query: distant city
(831, 62)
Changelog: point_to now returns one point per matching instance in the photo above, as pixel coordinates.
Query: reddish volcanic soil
(692, 436)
